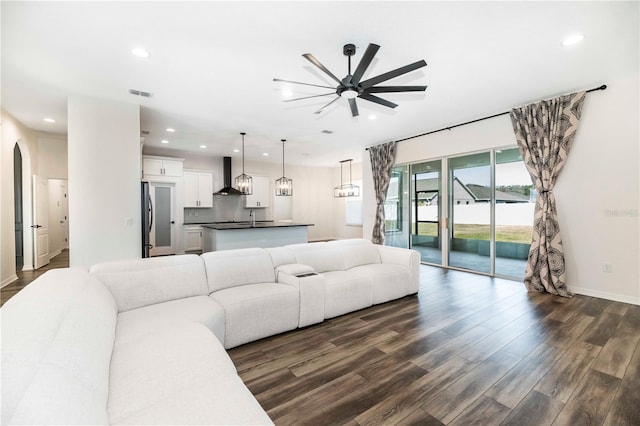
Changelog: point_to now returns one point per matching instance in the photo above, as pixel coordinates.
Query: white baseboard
(54, 254)
(9, 280)
(606, 295)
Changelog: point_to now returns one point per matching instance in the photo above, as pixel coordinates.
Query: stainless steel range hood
(226, 173)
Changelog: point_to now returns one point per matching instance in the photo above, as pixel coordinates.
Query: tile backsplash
(225, 208)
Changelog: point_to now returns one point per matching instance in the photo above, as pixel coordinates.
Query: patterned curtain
(382, 159)
(544, 132)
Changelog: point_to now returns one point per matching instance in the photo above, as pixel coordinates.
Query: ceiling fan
(352, 86)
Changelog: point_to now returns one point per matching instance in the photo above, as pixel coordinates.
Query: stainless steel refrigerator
(147, 217)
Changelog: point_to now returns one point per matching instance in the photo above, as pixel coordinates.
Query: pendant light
(346, 189)
(244, 183)
(284, 185)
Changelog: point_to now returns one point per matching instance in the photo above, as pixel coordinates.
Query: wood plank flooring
(25, 277)
(468, 349)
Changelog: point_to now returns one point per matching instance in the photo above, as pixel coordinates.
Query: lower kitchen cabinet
(192, 238)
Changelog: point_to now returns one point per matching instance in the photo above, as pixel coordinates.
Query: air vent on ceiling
(327, 132)
(140, 93)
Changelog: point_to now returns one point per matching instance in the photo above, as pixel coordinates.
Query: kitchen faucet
(252, 217)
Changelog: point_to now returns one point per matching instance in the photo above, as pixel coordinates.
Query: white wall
(597, 192)
(52, 156)
(104, 181)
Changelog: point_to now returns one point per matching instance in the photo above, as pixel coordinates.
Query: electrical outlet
(607, 267)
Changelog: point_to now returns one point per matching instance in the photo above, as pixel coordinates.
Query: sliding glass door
(515, 200)
(471, 212)
(396, 209)
(426, 191)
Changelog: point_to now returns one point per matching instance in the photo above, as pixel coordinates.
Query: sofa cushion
(57, 339)
(346, 291)
(179, 375)
(388, 282)
(143, 282)
(136, 323)
(255, 311)
(230, 268)
(356, 252)
(281, 256)
(320, 256)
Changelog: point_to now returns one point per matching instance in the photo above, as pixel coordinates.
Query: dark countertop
(208, 222)
(247, 225)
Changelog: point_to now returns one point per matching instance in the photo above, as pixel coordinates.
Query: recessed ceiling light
(372, 117)
(164, 141)
(170, 130)
(265, 154)
(287, 93)
(49, 120)
(573, 39)
(203, 146)
(236, 150)
(140, 52)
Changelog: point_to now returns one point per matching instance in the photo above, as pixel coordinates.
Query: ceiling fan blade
(389, 89)
(391, 74)
(371, 51)
(320, 110)
(317, 63)
(304, 84)
(354, 107)
(309, 97)
(377, 100)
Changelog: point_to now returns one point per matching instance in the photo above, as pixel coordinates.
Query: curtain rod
(603, 87)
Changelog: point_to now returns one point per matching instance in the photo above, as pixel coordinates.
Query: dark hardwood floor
(25, 277)
(467, 350)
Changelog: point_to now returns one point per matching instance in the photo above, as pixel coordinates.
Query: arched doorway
(18, 207)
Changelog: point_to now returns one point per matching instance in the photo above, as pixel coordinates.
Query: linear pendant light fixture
(244, 183)
(284, 185)
(346, 189)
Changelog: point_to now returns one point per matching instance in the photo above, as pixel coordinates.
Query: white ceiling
(212, 64)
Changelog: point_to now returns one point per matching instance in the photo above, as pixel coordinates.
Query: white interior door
(40, 221)
(163, 228)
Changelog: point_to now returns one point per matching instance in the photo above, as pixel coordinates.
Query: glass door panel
(470, 212)
(396, 209)
(515, 201)
(426, 190)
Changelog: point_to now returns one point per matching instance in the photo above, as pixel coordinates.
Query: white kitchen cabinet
(261, 195)
(198, 189)
(160, 166)
(192, 238)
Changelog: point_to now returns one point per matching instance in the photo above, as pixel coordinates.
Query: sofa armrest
(293, 269)
(404, 257)
(311, 287)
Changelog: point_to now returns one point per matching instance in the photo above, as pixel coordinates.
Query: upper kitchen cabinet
(198, 188)
(261, 194)
(161, 166)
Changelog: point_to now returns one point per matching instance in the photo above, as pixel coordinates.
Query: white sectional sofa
(143, 341)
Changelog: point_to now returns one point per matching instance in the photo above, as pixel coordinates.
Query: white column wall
(104, 181)
(597, 192)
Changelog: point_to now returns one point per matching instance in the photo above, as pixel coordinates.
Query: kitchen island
(227, 236)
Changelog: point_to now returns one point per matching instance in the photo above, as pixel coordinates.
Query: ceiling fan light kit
(352, 86)
(346, 189)
(244, 183)
(284, 185)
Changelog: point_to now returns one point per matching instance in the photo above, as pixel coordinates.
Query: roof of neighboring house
(470, 191)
